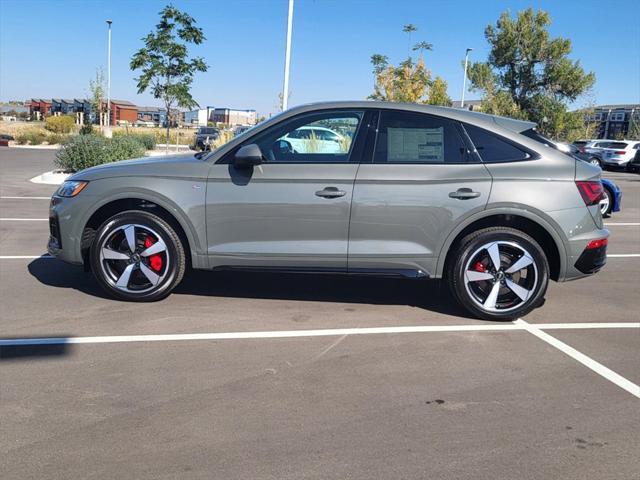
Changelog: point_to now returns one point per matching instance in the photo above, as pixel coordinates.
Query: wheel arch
(149, 203)
(522, 220)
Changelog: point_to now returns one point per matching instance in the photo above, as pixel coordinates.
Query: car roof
(476, 118)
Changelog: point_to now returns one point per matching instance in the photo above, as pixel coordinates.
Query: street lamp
(287, 59)
(464, 79)
(108, 129)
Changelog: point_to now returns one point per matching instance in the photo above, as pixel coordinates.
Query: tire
(595, 161)
(606, 204)
(143, 273)
(472, 276)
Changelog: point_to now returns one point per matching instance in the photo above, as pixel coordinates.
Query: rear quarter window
(494, 149)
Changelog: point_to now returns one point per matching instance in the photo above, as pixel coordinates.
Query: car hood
(185, 166)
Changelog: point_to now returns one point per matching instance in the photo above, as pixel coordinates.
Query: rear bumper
(592, 260)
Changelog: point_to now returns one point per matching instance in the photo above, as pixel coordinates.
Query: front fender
(183, 199)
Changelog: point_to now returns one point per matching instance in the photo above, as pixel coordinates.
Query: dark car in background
(204, 137)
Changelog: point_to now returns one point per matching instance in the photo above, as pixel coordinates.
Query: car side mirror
(248, 156)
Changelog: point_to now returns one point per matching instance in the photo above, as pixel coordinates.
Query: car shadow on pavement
(429, 295)
(426, 294)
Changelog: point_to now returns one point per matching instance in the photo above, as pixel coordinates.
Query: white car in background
(315, 139)
(619, 153)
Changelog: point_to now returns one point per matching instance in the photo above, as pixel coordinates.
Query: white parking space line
(597, 367)
(329, 332)
(622, 255)
(24, 219)
(4, 197)
(25, 257)
(622, 224)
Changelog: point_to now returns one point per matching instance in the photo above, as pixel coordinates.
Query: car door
(293, 209)
(421, 182)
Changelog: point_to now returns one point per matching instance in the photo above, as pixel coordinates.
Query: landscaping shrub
(147, 139)
(84, 151)
(56, 138)
(123, 147)
(86, 129)
(31, 137)
(60, 124)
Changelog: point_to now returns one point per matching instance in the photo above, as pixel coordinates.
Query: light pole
(464, 79)
(287, 59)
(108, 129)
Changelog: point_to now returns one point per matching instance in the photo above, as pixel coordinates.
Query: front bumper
(62, 243)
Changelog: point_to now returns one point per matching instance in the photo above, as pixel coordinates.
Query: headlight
(71, 188)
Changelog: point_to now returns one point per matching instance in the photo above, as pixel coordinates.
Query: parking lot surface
(264, 376)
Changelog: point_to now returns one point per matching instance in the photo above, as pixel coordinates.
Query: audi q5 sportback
(481, 201)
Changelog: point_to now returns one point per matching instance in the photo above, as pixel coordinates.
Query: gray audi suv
(483, 202)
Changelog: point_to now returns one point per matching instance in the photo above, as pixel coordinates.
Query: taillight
(593, 244)
(582, 150)
(619, 152)
(591, 191)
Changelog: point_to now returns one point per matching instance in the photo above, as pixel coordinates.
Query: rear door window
(495, 149)
(408, 137)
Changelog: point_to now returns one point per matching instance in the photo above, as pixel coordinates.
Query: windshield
(207, 131)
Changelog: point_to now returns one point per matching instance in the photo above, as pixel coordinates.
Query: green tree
(409, 29)
(528, 74)
(438, 93)
(166, 69)
(409, 81)
(96, 98)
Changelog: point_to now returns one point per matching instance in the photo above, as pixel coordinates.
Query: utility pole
(464, 79)
(287, 59)
(108, 129)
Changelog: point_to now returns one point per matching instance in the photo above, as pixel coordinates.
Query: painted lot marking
(622, 255)
(327, 332)
(25, 257)
(4, 197)
(24, 219)
(597, 367)
(518, 325)
(622, 224)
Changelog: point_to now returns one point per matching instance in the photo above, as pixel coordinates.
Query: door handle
(330, 192)
(464, 194)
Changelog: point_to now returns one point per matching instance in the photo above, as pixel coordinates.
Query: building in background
(614, 121)
(151, 117)
(233, 117)
(83, 111)
(472, 105)
(200, 117)
(39, 108)
(123, 112)
(62, 106)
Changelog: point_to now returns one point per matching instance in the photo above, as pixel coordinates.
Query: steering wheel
(282, 148)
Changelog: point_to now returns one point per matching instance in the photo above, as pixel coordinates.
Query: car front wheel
(499, 273)
(137, 256)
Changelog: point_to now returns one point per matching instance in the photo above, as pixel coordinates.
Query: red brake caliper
(154, 260)
(479, 267)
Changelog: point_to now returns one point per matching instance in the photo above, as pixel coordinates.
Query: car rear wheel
(595, 161)
(499, 273)
(606, 204)
(137, 256)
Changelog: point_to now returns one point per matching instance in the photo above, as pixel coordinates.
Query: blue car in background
(612, 200)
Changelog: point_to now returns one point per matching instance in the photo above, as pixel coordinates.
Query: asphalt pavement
(265, 376)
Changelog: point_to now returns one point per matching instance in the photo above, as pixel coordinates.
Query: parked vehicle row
(607, 153)
(417, 191)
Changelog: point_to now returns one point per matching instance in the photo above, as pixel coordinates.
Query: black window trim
(463, 136)
(355, 156)
(533, 155)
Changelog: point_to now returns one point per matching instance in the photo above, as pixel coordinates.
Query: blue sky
(52, 48)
